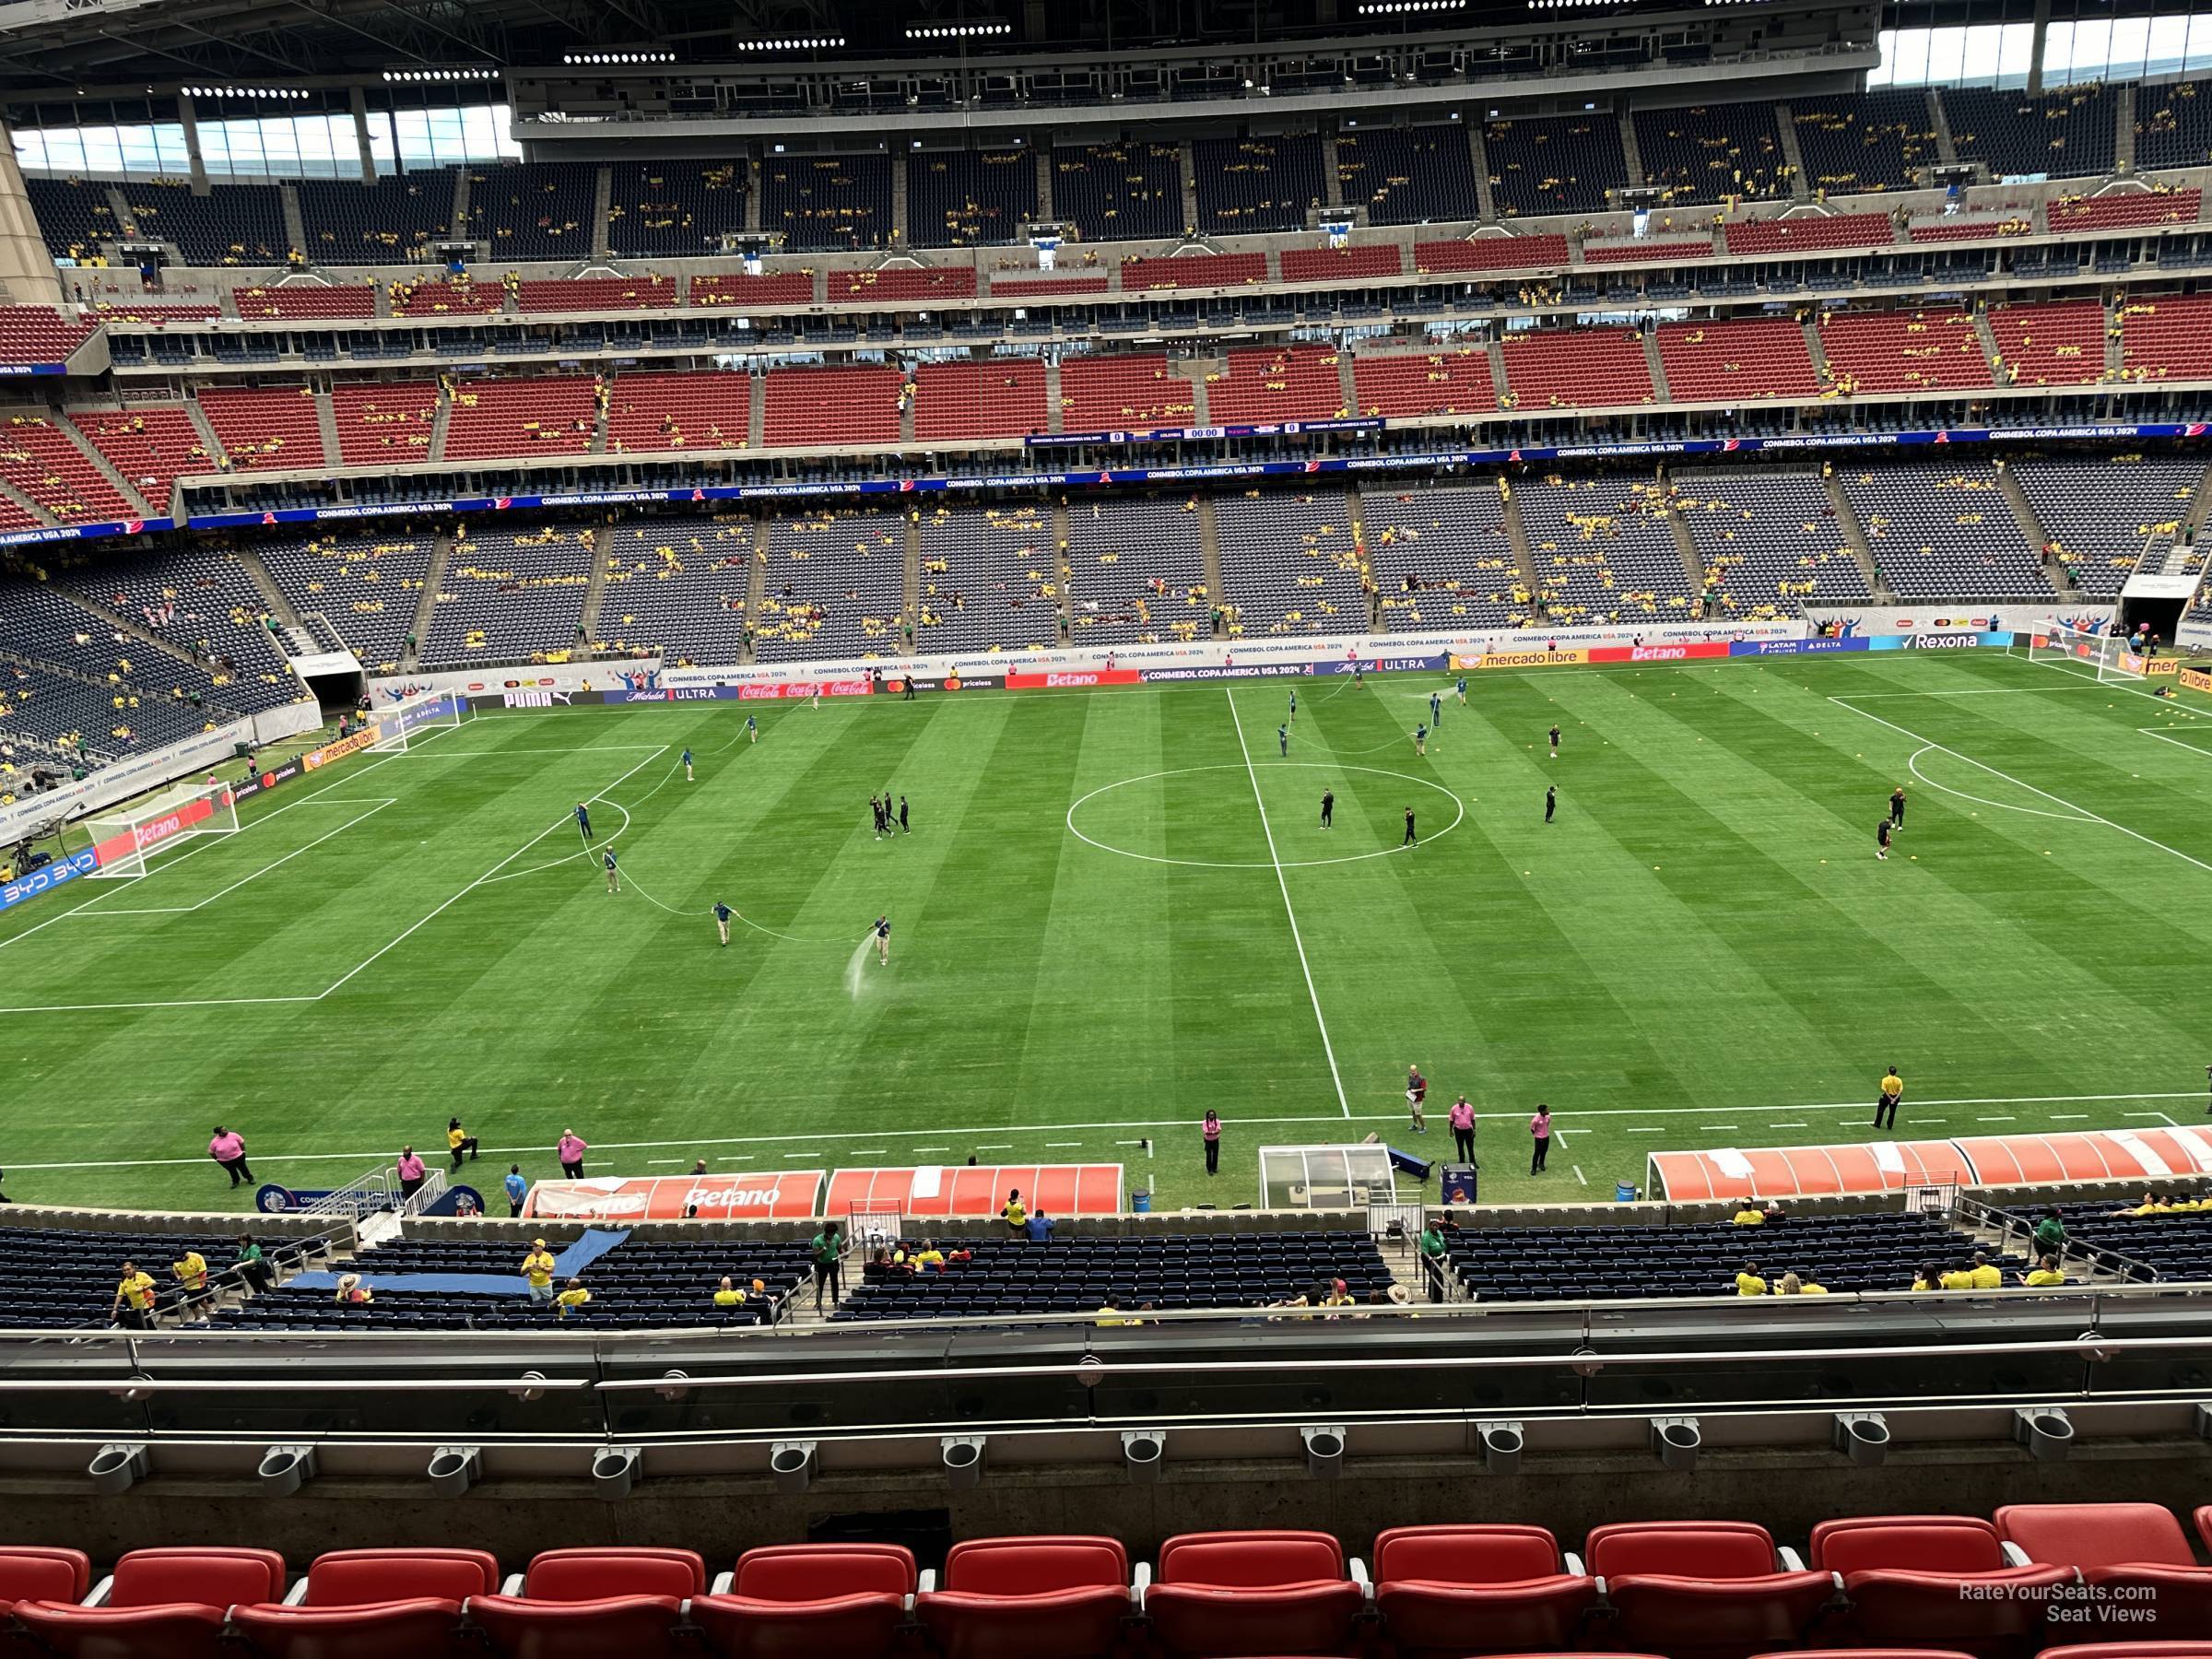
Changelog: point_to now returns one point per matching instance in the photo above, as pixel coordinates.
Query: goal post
(2096, 656)
(412, 720)
(122, 840)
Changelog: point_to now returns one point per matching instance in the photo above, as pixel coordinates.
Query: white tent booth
(1353, 1177)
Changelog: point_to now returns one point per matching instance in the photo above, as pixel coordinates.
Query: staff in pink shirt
(572, 1149)
(1463, 1129)
(411, 1175)
(228, 1149)
(1539, 1133)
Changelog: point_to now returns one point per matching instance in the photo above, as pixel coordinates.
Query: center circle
(1458, 817)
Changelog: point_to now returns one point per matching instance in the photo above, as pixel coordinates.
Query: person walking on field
(1539, 1136)
(1463, 1129)
(1884, 1104)
(1211, 1132)
(411, 1173)
(571, 1151)
(1417, 1092)
(228, 1149)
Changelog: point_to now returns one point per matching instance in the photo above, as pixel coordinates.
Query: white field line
(182, 909)
(2168, 738)
(1179, 1123)
(2020, 784)
(1281, 882)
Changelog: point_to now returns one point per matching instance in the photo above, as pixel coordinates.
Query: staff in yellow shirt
(573, 1298)
(1884, 1103)
(134, 1305)
(537, 1271)
(191, 1269)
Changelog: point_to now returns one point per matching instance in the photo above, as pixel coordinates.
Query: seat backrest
(1250, 1559)
(2096, 1535)
(572, 1575)
(1035, 1566)
(1465, 1555)
(30, 1573)
(354, 1578)
(1697, 1549)
(805, 1572)
(1908, 1544)
(207, 1578)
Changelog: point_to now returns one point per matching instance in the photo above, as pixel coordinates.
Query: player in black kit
(1328, 808)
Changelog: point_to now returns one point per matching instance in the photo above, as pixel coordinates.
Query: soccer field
(1116, 909)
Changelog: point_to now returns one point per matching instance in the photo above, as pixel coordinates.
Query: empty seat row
(1934, 1585)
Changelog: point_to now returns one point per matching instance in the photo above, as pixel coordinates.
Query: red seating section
(1443, 382)
(1739, 361)
(1491, 253)
(447, 299)
(1199, 270)
(1341, 264)
(1577, 368)
(1107, 393)
(1016, 1598)
(597, 294)
(588, 1604)
(1436, 1586)
(1221, 1596)
(368, 1603)
(1640, 253)
(549, 416)
(152, 448)
(383, 425)
(154, 313)
(1903, 352)
(810, 1601)
(1044, 287)
(305, 301)
(1292, 382)
(264, 427)
(854, 404)
(903, 284)
(1932, 1578)
(1965, 229)
(2134, 207)
(708, 411)
(39, 461)
(1704, 1589)
(170, 1602)
(2166, 337)
(783, 288)
(2134, 1557)
(1000, 397)
(2056, 345)
(39, 334)
(1792, 235)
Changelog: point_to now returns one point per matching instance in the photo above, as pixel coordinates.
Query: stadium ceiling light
(957, 32)
(618, 57)
(1392, 7)
(272, 93)
(827, 43)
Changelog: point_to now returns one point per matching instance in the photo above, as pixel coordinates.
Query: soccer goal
(123, 839)
(2104, 657)
(410, 721)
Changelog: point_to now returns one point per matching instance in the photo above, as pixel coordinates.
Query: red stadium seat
(1012, 1598)
(1704, 1589)
(2131, 1649)
(367, 1604)
(31, 1574)
(2134, 1557)
(588, 1604)
(1913, 1577)
(162, 1603)
(1233, 1595)
(809, 1601)
(1477, 1589)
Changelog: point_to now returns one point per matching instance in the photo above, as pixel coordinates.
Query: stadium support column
(27, 272)
(189, 119)
(2036, 43)
(360, 135)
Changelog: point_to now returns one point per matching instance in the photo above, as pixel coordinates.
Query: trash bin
(1141, 1202)
(1624, 1192)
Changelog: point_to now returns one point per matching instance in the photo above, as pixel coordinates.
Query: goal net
(122, 840)
(2101, 656)
(407, 723)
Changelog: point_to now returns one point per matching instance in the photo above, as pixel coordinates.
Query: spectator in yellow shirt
(1110, 1313)
(134, 1305)
(1749, 1283)
(1958, 1278)
(727, 1295)
(537, 1271)
(2046, 1273)
(1794, 1286)
(573, 1298)
(1748, 1214)
(192, 1272)
(1986, 1277)
(929, 1258)
(1928, 1278)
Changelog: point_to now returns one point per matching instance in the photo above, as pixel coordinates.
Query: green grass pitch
(1701, 951)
